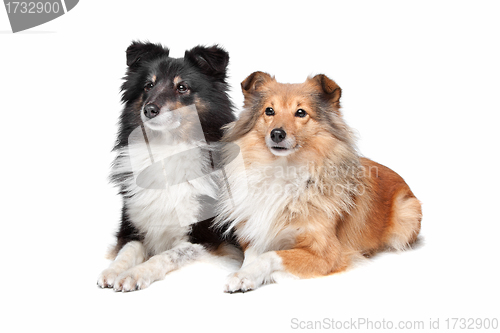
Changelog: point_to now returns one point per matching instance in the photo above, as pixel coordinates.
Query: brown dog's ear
(254, 81)
(331, 90)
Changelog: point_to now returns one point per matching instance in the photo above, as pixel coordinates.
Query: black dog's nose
(151, 110)
(278, 135)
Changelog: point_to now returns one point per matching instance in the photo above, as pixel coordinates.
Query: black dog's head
(156, 84)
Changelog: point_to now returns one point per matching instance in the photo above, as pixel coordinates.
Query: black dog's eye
(269, 112)
(300, 113)
(182, 88)
(148, 86)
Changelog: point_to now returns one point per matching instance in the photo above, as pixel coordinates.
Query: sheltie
(304, 203)
(174, 108)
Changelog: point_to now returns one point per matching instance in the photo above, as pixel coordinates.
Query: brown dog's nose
(278, 135)
(151, 110)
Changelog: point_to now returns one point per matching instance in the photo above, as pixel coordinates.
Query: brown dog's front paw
(239, 282)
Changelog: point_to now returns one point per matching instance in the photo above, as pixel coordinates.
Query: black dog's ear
(331, 90)
(210, 60)
(139, 52)
(254, 81)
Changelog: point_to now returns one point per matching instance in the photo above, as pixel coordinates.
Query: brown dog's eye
(300, 113)
(182, 88)
(269, 112)
(148, 86)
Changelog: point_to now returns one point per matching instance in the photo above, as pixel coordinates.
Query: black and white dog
(174, 109)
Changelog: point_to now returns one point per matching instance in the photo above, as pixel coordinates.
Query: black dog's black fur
(203, 69)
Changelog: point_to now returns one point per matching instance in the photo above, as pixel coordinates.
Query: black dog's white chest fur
(164, 216)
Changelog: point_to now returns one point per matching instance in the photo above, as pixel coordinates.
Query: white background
(420, 82)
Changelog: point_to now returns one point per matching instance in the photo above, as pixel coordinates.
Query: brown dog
(303, 202)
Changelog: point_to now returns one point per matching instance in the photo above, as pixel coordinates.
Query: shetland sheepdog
(303, 202)
(173, 109)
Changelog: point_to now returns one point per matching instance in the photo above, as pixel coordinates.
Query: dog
(304, 203)
(173, 109)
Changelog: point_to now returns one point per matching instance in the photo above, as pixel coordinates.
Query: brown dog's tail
(407, 217)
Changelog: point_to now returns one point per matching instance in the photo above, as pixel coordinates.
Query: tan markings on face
(153, 79)
(174, 105)
(138, 105)
(177, 80)
(201, 106)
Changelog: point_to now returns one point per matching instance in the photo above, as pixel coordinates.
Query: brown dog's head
(290, 118)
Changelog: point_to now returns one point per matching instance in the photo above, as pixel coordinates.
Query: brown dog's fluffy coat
(303, 202)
